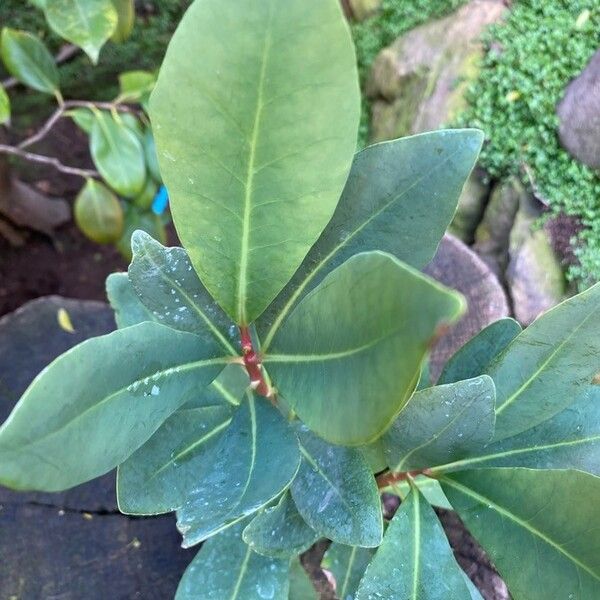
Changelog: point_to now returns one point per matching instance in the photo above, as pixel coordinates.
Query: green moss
(395, 18)
(530, 59)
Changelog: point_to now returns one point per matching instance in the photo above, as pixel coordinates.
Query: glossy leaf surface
(280, 531)
(124, 301)
(251, 465)
(27, 59)
(336, 494)
(551, 517)
(415, 559)
(85, 23)
(399, 198)
(548, 366)
(148, 371)
(226, 568)
(158, 477)
(349, 356)
(168, 286)
(98, 213)
(118, 155)
(441, 424)
(347, 564)
(476, 355)
(255, 160)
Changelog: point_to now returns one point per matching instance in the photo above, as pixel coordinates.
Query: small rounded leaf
(28, 60)
(98, 213)
(4, 106)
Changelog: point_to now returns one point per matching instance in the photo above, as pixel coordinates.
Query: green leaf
(441, 424)
(548, 366)
(118, 155)
(27, 59)
(569, 440)
(167, 285)
(349, 356)
(375, 456)
(150, 155)
(85, 23)
(98, 213)
(430, 488)
(160, 475)
(83, 118)
(301, 587)
(280, 531)
(225, 567)
(104, 398)
(549, 516)
(347, 564)
(4, 106)
(476, 355)
(415, 559)
(254, 159)
(127, 306)
(145, 221)
(399, 198)
(146, 197)
(135, 86)
(336, 494)
(125, 19)
(251, 465)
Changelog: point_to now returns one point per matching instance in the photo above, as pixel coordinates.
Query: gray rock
(419, 82)
(579, 114)
(470, 207)
(534, 276)
(363, 9)
(459, 268)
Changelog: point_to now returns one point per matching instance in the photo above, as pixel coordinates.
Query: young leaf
(347, 564)
(160, 475)
(280, 531)
(399, 198)
(4, 106)
(440, 424)
(127, 306)
(415, 559)
(134, 86)
(105, 398)
(301, 587)
(167, 285)
(251, 465)
(569, 440)
(27, 59)
(225, 567)
(430, 488)
(83, 118)
(255, 160)
(549, 516)
(336, 494)
(476, 355)
(85, 23)
(125, 19)
(118, 155)
(548, 366)
(349, 356)
(98, 213)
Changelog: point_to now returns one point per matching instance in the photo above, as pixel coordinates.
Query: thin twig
(48, 160)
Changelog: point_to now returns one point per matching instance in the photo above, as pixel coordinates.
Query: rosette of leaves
(261, 384)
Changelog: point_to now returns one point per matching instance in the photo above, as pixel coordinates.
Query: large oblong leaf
(85, 23)
(440, 424)
(227, 569)
(248, 468)
(128, 308)
(118, 154)
(548, 366)
(400, 198)
(349, 356)
(158, 477)
(27, 59)
(280, 531)
(336, 494)
(415, 560)
(104, 398)
(167, 285)
(537, 526)
(475, 356)
(255, 159)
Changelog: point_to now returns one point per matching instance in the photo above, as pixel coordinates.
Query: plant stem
(390, 478)
(253, 364)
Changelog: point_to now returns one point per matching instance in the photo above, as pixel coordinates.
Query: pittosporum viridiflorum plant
(262, 382)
